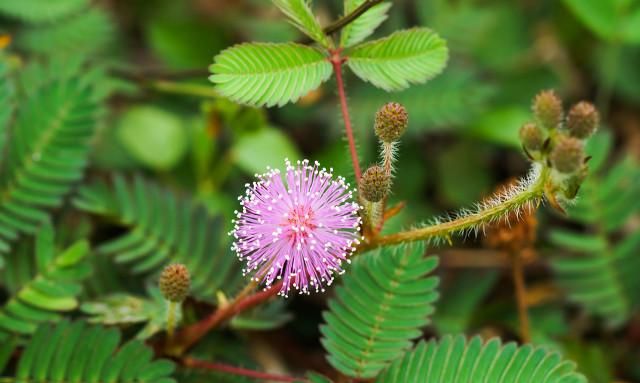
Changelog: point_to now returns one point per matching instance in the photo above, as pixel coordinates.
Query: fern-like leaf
(454, 360)
(162, 229)
(394, 62)
(383, 302)
(7, 100)
(51, 291)
(75, 352)
(85, 33)
(300, 15)
(602, 273)
(39, 11)
(363, 26)
(269, 74)
(49, 151)
(123, 309)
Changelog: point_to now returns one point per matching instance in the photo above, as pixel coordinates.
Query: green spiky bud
(547, 108)
(531, 136)
(582, 120)
(567, 155)
(374, 184)
(174, 282)
(391, 122)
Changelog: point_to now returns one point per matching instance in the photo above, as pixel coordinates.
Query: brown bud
(582, 120)
(531, 136)
(374, 184)
(391, 122)
(547, 107)
(567, 156)
(174, 282)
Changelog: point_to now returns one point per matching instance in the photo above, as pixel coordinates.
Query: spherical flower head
(531, 136)
(582, 120)
(391, 122)
(547, 107)
(567, 155)
(299, 229)
(374, 184)
(174, 282)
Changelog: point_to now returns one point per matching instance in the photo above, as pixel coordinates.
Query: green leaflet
(75, 352)
(39, 11)
(454, 360)
(394, 62)
(49, 151)
(363, 26)
(52, 290)
(383, 302)
(300, 15)
(163, 228)
(268, 74)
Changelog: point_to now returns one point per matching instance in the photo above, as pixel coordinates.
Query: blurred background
(166, 122)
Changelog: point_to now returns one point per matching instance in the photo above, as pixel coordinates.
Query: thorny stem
(188, 336)
(521, 295)
(213, 366)
(337, 61)
(532, 195)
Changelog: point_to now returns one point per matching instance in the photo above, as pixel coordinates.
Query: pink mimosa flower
(299, 229)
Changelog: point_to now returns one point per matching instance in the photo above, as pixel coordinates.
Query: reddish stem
(213, 366)
(188, 336)
(337, 61)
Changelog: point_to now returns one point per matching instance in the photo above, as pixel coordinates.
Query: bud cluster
(558, 141)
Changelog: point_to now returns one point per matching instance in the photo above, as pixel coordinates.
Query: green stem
(171, 319)
(532, 195)
(189, 89)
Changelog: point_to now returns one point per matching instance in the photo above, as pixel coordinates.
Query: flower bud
(582, 120)
(391, 122)
(374, 184)
(531, 136)
(547, 107)
(567, 155)
(174, 282)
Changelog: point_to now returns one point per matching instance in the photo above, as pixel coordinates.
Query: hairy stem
(517, 268)
(347, 19)
(530, 196)
(388, 155)
(221, 367)
(336, 61)
(190, 335)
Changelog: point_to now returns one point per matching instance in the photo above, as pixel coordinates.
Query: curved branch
(189, 335)
(348, 19)
(221, 367)
(529, 193)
